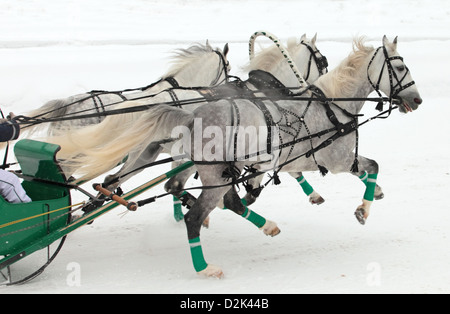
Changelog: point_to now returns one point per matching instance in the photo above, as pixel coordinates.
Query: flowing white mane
(186, 57)
(347, 75)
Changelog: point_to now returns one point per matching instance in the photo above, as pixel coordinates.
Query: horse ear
(313, 40)
(226, 49)
(395, 42)
(303, 38)
(207, 43)
(388, 44)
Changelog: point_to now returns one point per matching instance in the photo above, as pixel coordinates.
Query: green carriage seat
(38, 164)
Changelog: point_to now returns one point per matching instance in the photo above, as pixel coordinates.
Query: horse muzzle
(406, 105)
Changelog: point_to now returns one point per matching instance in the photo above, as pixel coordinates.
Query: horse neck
(199, 72)
(339, 84)
(202, 71)
(283, 72)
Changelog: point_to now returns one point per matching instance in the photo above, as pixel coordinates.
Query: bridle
(223, 69)
(395, 82)
(318, 57)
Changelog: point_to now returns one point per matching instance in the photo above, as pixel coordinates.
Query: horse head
(200, 65)
(318, 63)
(309, 60)
(388, 73)
(303, 54)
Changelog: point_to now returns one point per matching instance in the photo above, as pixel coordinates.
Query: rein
(340, 128)
(24, 120)
(94, 95)
(100, 107)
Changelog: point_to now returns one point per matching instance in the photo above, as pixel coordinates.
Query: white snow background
(57, 48)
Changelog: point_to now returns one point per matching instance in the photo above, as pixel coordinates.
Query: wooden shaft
(130, 205)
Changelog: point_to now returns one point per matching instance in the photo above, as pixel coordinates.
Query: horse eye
(401, 68)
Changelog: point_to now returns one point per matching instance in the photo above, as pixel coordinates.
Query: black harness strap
(98, 104)
(272, 88)
(268, 84)
(342, 129)
(172, 81)
(236, 125)
(269, 122)
(174, 97)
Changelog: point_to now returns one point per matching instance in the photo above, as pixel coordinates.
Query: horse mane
(347, 75)
(182, 57)
(269, 58)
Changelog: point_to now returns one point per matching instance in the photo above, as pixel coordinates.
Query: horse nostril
(418, 100)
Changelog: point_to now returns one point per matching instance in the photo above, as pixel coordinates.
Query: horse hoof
(212, 271)
(270, 228)
(316, 199)
(379, 197)
(360, 215)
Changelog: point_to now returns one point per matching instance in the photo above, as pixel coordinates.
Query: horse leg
(233, 202)
(314, 197)
(253, 189)
(175, 186)
(210, 175)
(368, 175)
(181, 198)
(378, 195)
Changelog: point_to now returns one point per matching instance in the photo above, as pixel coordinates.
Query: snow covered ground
(57, 48)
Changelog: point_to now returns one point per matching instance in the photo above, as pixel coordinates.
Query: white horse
(366, 69)
(198, 65)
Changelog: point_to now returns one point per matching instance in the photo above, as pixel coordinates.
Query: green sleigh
(29, 227)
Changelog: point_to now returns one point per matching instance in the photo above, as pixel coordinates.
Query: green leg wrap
(364, 178)
(370, 187)
(307, 188)
(197, 254)
(177, 212)
(254, 218)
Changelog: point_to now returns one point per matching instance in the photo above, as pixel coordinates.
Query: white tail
(96, 149)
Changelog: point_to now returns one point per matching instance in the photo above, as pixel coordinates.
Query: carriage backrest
(24, 224)
(38, 161)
